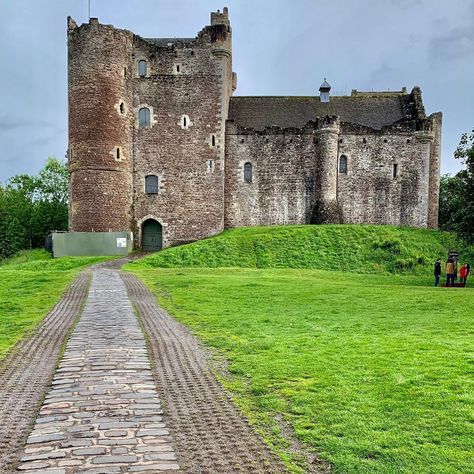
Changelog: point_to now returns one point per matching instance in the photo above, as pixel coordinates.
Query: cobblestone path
(102, 414)
(26, 372)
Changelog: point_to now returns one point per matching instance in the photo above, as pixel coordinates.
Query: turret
(325, 209)
(324, 90)
(100, 126)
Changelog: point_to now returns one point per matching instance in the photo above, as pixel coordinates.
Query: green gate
(152, 236)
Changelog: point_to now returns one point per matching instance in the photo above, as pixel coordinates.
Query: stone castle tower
(158, 146)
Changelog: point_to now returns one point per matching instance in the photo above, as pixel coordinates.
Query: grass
(374, 373)
(31, 283)
(347, 248)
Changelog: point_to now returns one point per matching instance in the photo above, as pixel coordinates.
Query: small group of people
(451, 268)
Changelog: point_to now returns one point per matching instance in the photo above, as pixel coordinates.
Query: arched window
(248, 172)
(343, 164)
(142, 68)
(144, 117)
(151, 184)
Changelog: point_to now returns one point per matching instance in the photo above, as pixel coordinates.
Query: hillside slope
(352, 248)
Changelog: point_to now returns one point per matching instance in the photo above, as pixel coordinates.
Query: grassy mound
(347, 248)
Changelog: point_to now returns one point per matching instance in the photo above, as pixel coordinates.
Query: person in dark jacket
(449, 267)
(437, 271)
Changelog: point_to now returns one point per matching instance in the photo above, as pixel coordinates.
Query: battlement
(218, 18)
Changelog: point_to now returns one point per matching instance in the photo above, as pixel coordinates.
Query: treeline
(456, 203)
(32, 206)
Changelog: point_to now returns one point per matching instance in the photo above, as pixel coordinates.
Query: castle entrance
(152, 235)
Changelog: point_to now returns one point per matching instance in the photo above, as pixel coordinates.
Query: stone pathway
(103, 413)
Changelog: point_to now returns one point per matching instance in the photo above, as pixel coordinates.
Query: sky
(280, 47)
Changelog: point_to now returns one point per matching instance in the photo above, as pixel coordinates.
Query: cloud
(46, 140)
(7, 123)
(455, 44)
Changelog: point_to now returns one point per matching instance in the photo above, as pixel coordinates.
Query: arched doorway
(152, 235)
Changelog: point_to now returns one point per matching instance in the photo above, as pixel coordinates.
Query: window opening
(184, 122)
(151, 184)
(177, 68)
(395, 170)
(144, 117)
(142, 68)
(213, 140)
(122, 108)
(248, 172)
(343, 164)
(210, 166)
(117, 154)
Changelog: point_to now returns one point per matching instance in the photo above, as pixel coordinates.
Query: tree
(457, 193)
(32, 206)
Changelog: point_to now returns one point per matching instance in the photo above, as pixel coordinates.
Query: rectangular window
(395, 170)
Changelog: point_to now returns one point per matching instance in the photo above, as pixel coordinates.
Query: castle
(159, 146)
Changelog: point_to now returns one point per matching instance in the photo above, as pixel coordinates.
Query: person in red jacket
(463, 273)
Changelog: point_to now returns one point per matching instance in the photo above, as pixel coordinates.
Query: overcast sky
(280, 47)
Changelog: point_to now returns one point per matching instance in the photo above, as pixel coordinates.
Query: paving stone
(45, 438)
(43, 456)
(88, 451)
(161, 432)
(33, 465)
(112, 459)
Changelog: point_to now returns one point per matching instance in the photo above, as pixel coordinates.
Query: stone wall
(294, 170)
(281, 191)
(370, 193)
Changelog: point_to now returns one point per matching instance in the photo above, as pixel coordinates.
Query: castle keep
(159, 146)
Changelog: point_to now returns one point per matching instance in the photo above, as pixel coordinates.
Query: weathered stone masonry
(164, 107)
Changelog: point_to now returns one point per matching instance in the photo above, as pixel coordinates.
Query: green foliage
(354, 248)
(373, 373)
(457, 195)
(31, 282)
(32, 206)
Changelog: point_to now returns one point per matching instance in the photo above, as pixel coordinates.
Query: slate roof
(371, 110)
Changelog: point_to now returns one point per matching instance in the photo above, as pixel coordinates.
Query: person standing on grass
(437, 271)
(449, 267)
(463, 273)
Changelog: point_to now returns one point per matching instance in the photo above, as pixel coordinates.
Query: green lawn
(374, 373)
(31, 283)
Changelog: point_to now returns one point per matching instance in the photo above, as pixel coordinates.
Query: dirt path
(26, 373)
(210, 434)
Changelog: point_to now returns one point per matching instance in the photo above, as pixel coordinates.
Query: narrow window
(125, 71)
(117, 154)
(210, 166)
(364, 140)
(151, 184)
(395, 170)
(248, 172)
(213, 140)
(343, 164)
(177, 68)
(122, 108)
(142, 68)
(185, 122)
(144, 117)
